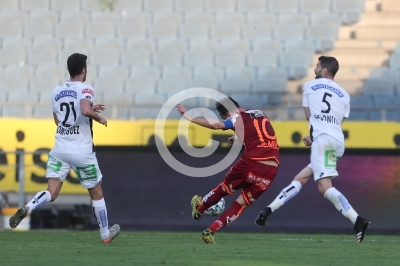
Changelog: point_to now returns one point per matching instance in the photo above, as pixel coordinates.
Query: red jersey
(259, 136)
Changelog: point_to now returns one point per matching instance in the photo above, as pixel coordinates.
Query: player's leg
(200, 204)
(88, 172)
(286, 194)
(324, 165)
(56, 172)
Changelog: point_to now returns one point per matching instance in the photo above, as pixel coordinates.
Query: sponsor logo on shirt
(66, 93)
(89, 91)
(324, 86)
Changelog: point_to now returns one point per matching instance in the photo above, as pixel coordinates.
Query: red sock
(227, 216)
(211, 198)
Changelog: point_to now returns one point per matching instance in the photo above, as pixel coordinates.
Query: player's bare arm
(55, 119)
(87, 110)
(200, 120)
(307, 113)
(307, 141)
(98, 108)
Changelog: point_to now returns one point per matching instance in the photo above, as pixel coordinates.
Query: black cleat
(263, 216)
(361, 225)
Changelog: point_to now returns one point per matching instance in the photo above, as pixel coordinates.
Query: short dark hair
(223, 105)
(76, 62)
(330, 63)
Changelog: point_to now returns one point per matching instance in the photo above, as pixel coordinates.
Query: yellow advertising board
(37, 136)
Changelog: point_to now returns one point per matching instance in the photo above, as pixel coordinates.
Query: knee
(322, 190)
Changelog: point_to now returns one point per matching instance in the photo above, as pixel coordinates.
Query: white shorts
(85, 167)
(325, 151)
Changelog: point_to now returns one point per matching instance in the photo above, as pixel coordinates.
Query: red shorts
(252, 176)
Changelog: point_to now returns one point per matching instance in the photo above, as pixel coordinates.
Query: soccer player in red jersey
(253, 172)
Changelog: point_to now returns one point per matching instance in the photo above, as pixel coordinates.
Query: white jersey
(74, 130)
(329, 104)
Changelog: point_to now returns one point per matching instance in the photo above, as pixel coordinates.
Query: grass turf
(38, 247)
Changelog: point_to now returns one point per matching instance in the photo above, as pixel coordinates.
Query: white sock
(341, 204)
(286, 194)
(41, 198)
(100, 212)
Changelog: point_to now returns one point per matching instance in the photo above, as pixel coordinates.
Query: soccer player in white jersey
(326, 105)
(73, 113)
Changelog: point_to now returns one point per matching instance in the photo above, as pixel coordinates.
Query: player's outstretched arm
(199, 120)
(87, 110)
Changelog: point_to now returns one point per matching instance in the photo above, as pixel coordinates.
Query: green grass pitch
(37, 247)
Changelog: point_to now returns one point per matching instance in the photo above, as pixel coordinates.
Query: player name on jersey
(328, 119)
(68, 130)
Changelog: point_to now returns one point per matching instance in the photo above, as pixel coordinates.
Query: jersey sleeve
(230, 122)
(347, 110)
(87, 93)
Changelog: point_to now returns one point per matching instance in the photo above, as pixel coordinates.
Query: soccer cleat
(208, 236)
(18, 217)
(360, 226)
(114, 231)
(196, 201)
(263, 216)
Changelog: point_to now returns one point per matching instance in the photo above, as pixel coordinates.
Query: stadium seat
(193, 31)
(384, 73)
(61, 5)
(108, 85)
(109, 43)
(173, 44)
(263, 59)
(105, 17)
(331, 19)
(149, 99)
(107, 56)
(29, 5)
(180, 73)
(168, 86)
(220, 6)
(358, 114)
(324, 36)
(379, 87)
(394, 61)
(36, 29)
(13, 83)
(204, 83)
(296, 63)
(74, 16)
(13, 71)
(262, 19)
(10, 30)
(140, 113)
(13, 17)
(139, 57)
(78, 45)
(303, 45)
(234, 44)
(241, 73)
(252, 6)
(393, 115)
(376, 115)
(272, 85)
(251, 32)
(73, 29)
(141, 44)
(163, 30)
(287, 6)
(128, 29)
(189, 6)
(193, 18)
(235, 85)
(167, 58)
(225, 31)
(93, 5)
(118, 99)
(313, 7)
(23, 97)
(136, 18)
(266, 45)
(191, 102)
(19, 111)
(145, 73)
(158, 5)
(251, 101)
(362, 101)
(173, 18)
(7, 5)
(43, 16)
(230, 58)
(203, 45)
(271, 72)
(12, 56)
(140, 85)
(349, 9)
(100, 30)
(128, 5)
(37, 56)
(199, 58)
(45, 85)
(119, 72)
(233, 19)
(42, 111)
(293, 19)
(289, 32)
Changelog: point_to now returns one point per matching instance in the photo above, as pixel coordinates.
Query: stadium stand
(141, 52)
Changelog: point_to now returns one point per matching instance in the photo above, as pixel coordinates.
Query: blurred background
(141, 52)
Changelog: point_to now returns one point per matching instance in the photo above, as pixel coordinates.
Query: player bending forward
(73, 114)
(326, 105)
(253, 172)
